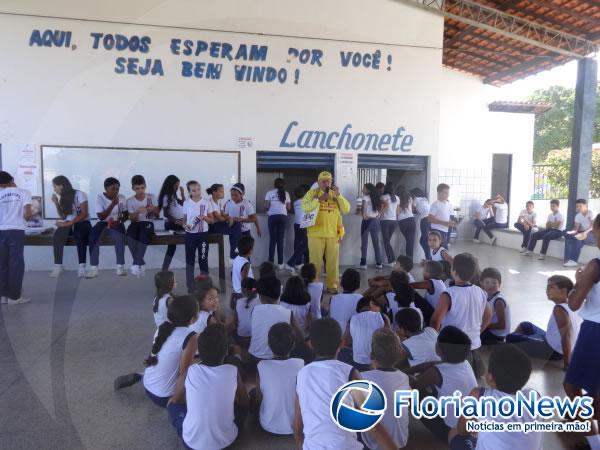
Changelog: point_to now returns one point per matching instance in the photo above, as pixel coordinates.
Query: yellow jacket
(329, 220)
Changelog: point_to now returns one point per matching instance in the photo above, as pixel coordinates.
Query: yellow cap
(325, 176)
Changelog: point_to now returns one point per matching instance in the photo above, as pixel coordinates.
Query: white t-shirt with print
(103, 202)
(12, 206)
(389, 210)
(276, 207)
(241, 210)
(133, 204)
(193, 211)
(175, 209)
(368, 211)
(79, 198)
(501, 215)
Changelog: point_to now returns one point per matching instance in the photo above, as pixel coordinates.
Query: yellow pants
(330, 249)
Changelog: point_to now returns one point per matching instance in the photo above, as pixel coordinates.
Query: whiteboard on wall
(88, 167)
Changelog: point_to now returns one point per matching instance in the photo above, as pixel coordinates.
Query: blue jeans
(425, 229)
(80, 231)
(546, 235)
(387, 231)
(573, 246)
(532, 340)
(139, 235)
(407, 228)
(487, 225)
(277, 224)
(195, 242)
(12, 263)
(372, 227)
(235, 234)
(300, 255)
(159, 401)
(525, 232)
(116, 234)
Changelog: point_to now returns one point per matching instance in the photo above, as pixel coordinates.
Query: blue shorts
(584, 368)
(460, 442)
(160, 401)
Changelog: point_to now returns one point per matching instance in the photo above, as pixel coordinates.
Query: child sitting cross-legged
(402, 296)
(499, 325)
(418, 343)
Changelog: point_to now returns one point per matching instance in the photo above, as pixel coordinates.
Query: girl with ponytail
(277, 204)
(172, 207)
(216, 194)
(371, 211)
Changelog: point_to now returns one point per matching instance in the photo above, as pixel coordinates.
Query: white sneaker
(362, 267)
(298, 267)
(523, 250)
(541, 257)
(92, 273)
(3, 300)
(290, 268)
(476, 241)
(121, 270)
(494, 241)
(135, 271)
(379, 266)
(18, 301)
(56, 271)
(571, 263)
(526, 253)
(389, 264)
(280, 267)
(143, 270)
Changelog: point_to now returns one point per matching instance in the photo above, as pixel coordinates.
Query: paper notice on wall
(27, 171)
(245, 142)
(346, 166)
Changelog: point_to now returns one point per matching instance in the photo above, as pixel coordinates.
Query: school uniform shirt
(236, 273)
(394, 308)
(342, 307)
(484, 213)
(160, 316)
(389, 380)
(79, 198)
(12, 208)
(264, 316)
(438, 255)
(441, 211)
(498, 297)
(553, 332)
(201, 321)
(467, 303)
(244, 309)
(591, 307)
(210, 396)
(315, 290)
(300, 314)
(585, 221)
(438, 287)
(529, 216)
(133, 204)
(421, 347)
(175, 209)
(501, 214)
(422, 206)
(389, 210)
(241, 210)
(103, 202)
(161, 379)
(455, 377)
(556, 217)
(298, 212)
(216, 205)
(362, 327)
(316, 385)
(276, 206)
(193, 211)
(489, 440)
(406, 213)
(368, 211)
(278, 387)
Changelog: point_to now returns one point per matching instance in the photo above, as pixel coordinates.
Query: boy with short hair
(343, 306)
(558, 340)
(316, 385)
(526, 222)
(580, 234)
(555, 224)
(499, 326)
(142, 208)
(418, 343)
(380, 285)
(385, 354)
(440, 213)
(433, 285)
(276, 382)
(15, 209)
(509, 370)
(464, 306)
(241, 267)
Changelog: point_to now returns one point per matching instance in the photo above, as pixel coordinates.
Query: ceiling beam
(519, 68)
(562, 10)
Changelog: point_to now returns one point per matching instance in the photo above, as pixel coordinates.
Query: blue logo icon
(362, 417)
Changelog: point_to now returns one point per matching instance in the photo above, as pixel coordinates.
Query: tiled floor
(60, 354)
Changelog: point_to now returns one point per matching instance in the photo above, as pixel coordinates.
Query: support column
(583, 133)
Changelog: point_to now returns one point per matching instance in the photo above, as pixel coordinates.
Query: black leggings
(80, 231)
(170, 226)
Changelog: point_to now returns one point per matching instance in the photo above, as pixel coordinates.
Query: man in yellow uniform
(325, 235)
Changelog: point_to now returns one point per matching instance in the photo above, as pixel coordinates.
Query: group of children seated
(301, 348)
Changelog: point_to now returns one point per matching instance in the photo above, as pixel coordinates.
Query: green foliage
(557, 174)
(553, 129)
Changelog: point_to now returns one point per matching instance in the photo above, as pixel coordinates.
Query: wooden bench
(43, 240)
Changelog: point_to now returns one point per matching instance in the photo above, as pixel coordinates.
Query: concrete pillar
(583, 133)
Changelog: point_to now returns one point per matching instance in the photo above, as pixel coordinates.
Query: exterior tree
(558, 172)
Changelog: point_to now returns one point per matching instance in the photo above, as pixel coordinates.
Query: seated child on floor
(418, 343)
(242, 316)
(380, 285)
(314, 287)
(343, 306)
(164, 281)
(402, 296)
(208, 309)
(499, 326)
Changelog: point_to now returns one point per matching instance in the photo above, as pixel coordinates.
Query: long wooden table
(45, 239)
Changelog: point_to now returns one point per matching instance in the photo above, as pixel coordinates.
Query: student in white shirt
(421, 208)
(558, 340)
(418, 343)
(142, 209)
(316, 385)
(464, 306)
(15, 209)
(220, 223)
(555, 224)
(442, 379)
(440, 213)
(433, 285)
(197, 213)
(276, 383)
(314, 288)
(402, 296)
(371, 211)
(509, 370)
(277, 204)
(300, 255)
(111, 211)
(72, 208)
(438, 252)
(242, 315)
(265, 315)
(389, 220)
(241, 215)
(343, 306)
(499, 219)
(208, 308)
(164, 282)
(172, 208)
(296, 298)
(241, 268)
(526, 223)
(500, 323)
(385, 354)
(210, 410)
(406, 221)
(580, 234)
